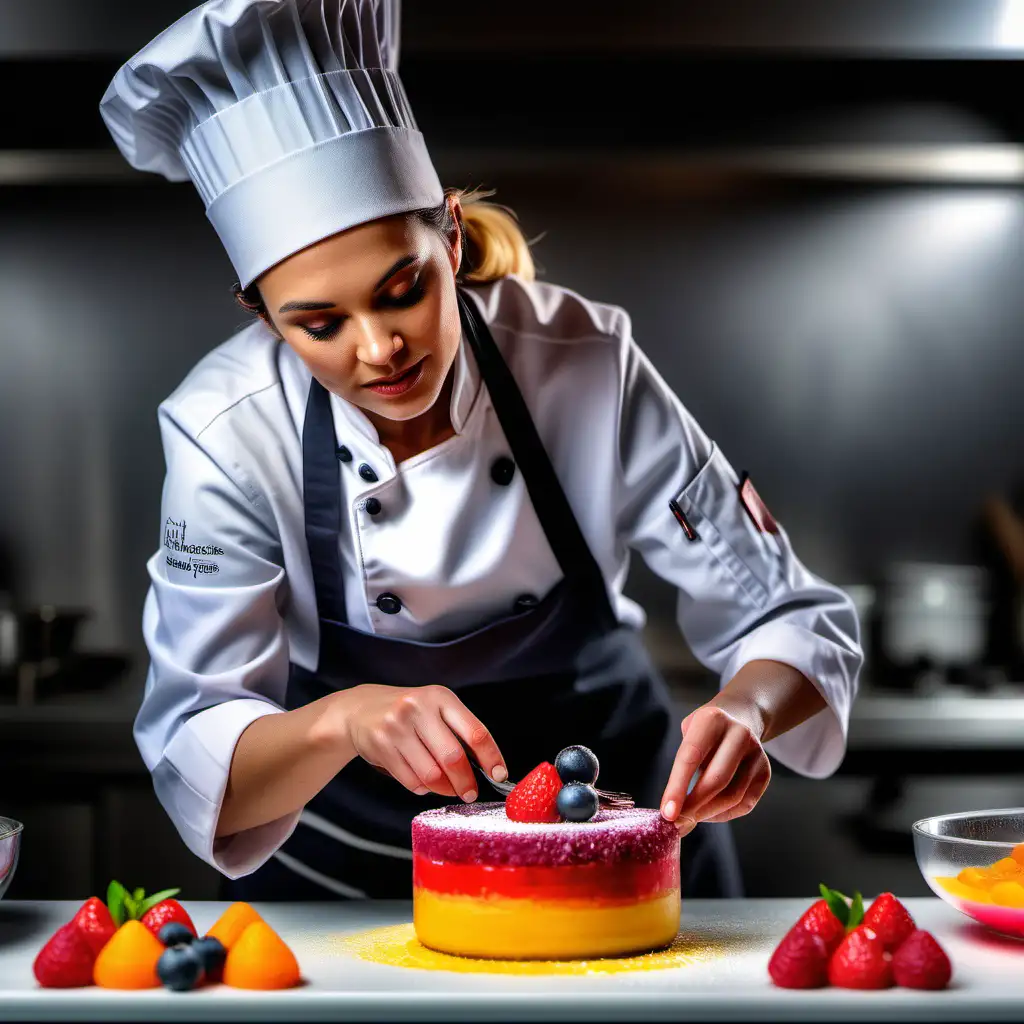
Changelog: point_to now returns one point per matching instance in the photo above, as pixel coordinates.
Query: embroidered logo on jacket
(190, 558)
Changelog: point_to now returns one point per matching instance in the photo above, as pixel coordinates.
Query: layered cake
(485, 885)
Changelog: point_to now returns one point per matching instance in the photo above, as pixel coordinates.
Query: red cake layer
(595, 881)
(483, 834)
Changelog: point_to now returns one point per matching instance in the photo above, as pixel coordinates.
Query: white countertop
(727, 985)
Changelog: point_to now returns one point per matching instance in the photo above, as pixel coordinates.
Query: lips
(394, 379)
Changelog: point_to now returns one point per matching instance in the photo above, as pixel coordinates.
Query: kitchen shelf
(658, 172)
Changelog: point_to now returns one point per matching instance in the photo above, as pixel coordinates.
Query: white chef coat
(232, 602)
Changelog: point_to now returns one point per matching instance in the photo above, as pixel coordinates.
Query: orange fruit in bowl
(1008, 894)
(1017, 853)
(955, 887)
(1006, 868)
(260, 959)
(976, 878)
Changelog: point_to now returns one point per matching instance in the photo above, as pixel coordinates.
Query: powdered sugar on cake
(483, 834)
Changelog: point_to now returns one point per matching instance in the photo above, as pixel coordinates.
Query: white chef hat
(288, 116)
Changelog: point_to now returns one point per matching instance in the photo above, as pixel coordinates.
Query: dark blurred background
(813, 212)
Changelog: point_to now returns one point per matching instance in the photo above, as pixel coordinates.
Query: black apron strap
(321, 484)
(553, 510)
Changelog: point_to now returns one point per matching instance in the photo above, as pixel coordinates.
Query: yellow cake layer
(520, 929)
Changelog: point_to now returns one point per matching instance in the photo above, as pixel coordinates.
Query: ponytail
(495, 244)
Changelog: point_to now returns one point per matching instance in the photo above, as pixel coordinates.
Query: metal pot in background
(935, 616)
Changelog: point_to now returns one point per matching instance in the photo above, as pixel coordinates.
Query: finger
(477, 737)
(448, 753)
(424, 764)
(399, 769)
(720, 769)
(741, 796)
(702, 735)
(741, 809)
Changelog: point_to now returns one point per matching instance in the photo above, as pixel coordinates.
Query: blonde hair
(495, 244)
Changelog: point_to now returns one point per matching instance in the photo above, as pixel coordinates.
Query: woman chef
(400, 504)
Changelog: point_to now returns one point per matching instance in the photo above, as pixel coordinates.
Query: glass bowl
(10, 844)
(975, 862)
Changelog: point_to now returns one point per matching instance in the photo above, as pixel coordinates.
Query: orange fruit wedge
(129, 959)
(979, 878)
(1006, 869)
(260, 959)
(1008, 894)
(230, 925)
(956, 887)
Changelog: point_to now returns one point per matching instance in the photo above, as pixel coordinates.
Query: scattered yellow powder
(397, 946)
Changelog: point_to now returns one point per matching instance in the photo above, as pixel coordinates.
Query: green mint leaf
(116, 894)
(139, 894)
(157, 897)
(131, 908)
(836, 903)
(856, 912)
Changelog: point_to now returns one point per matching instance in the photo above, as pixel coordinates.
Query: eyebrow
(398, 265)
(305, 306)
(310, 305)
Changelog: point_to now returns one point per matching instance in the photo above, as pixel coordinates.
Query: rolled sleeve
(814, 748)
(219, 655)
(743, 595)
(191, 778)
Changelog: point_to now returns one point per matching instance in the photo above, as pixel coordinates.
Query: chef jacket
(453, 535)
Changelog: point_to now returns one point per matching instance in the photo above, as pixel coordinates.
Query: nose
(377, 347)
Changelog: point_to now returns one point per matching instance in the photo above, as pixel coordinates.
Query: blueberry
(577, 801)
(212, 954)
(180, 968)
(577, 764)
(175, 934)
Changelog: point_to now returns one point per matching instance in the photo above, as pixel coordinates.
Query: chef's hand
(724, 747)
(417, 734)
(722, 740)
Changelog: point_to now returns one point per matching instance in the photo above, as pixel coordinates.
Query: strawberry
(821, 920)
(165, 912)
(93, 920)
(890, 920)
(833, 916)
(66, 961)
(920, 962)
(860, 961)
(800, 960)
(535, 797)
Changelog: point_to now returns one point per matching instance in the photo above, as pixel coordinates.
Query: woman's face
(373, 313)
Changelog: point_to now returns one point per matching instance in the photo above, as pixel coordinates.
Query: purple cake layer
(482, 834)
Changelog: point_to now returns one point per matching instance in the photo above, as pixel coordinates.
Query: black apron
(553, 672)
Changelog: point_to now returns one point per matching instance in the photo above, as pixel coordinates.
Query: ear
(455, 238)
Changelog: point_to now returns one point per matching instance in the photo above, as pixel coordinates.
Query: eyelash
(321, 333)
(410, 298)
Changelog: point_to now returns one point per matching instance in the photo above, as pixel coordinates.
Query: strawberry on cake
(548, 875)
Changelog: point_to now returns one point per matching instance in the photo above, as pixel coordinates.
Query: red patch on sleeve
(756, 508)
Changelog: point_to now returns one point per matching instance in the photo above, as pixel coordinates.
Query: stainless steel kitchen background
(815, 223)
